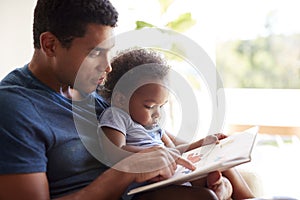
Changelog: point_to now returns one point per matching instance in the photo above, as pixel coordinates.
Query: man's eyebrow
(99, 49)
(103, 48)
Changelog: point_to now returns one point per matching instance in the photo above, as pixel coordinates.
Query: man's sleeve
(22, 140)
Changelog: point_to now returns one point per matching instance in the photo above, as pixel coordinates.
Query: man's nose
(108, 68)
(105, 65)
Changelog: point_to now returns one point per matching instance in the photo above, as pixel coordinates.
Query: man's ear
(48, 43)
(119, 99)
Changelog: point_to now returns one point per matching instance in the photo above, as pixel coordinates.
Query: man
(43, 152)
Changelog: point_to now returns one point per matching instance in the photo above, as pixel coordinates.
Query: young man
(44, 135)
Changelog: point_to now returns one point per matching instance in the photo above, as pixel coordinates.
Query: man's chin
(89, 91)
(86, 91)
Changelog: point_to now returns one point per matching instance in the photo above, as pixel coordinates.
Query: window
(258, 57)
(255, 45)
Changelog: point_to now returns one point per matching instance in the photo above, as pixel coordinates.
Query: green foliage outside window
(182, 23)
(272, 61)
(264, 62)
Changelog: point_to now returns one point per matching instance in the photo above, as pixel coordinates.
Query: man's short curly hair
(128, 61)
(68, 19)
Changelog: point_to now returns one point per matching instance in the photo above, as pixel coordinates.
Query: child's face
(146, 102)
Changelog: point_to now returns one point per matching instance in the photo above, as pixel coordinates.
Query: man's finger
(185, 163)
(182, 161)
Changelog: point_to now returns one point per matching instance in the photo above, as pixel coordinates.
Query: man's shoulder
(14, 100)
(9, 92)
(18, 76)
(21, 86)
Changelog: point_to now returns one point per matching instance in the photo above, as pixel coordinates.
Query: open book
(231, 151)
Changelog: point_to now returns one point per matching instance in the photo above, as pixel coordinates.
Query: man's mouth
(101, 80)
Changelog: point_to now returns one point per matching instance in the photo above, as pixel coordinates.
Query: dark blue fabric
(38, 133)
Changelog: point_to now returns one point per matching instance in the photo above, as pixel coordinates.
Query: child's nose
(156, 113)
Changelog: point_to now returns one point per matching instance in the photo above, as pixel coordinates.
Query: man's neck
(41, 69)
(70, 93)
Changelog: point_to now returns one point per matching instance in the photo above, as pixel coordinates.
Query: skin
(144, 107)
(57, 67)
(146, 102)
(86, 61)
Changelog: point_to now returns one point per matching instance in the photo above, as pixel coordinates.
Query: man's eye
(94, 53)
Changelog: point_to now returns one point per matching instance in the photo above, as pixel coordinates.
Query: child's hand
(213, 139)
(210, 139)
(220, 136)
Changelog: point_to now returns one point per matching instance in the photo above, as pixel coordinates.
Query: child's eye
(148, 107)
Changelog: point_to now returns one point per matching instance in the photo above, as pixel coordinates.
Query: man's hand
(156, 163)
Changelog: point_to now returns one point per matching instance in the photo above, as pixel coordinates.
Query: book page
(231, 151)
(234, 148)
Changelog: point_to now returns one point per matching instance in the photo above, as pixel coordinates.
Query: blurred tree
(264, 62)
(272, 61)
(182, 23)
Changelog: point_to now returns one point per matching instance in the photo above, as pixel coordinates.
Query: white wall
(270, 107)
(16, 18)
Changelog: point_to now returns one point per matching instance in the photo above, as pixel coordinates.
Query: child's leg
(240, 188)
(214, 181)
(220, 185)
(224, 187)
(231, 184)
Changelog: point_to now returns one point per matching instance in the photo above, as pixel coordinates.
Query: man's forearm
(110, 185)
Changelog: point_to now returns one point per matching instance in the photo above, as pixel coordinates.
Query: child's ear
(119, 100)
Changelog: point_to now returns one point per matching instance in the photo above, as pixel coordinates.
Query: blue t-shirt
(42, 131)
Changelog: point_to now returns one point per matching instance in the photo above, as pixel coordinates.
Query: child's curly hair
(127, 61)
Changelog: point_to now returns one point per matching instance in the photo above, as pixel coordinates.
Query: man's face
(85, 64)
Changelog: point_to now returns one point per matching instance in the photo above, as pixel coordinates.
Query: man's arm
(151, 163)
(34, 186)
(24, 186)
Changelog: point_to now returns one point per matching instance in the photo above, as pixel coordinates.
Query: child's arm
(210, 139)
(167, 140)
(184, 146)
(119, 139)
